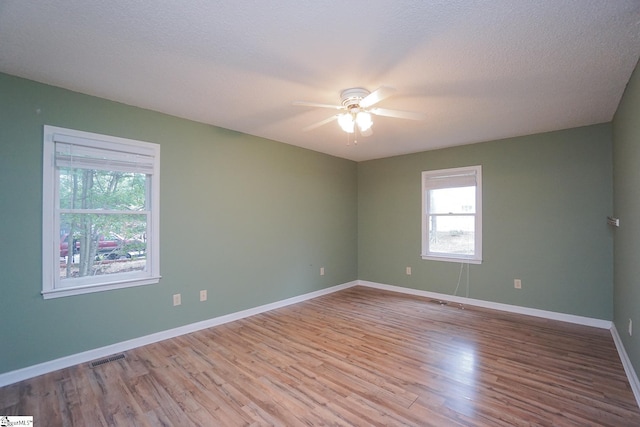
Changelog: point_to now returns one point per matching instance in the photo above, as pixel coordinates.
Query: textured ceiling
(479, 70)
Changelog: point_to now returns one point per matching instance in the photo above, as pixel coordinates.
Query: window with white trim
(100, 212)
(452, 215)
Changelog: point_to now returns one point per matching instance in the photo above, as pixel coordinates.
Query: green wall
(248, 219)
(546, 198)
(252, 221)
(626, 178)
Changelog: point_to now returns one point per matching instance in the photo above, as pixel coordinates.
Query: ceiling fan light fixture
(363, 119)
(367, 132)
(346, 122)
(357, 109)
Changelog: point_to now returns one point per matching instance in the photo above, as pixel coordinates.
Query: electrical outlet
(517, 283)
(177, 299)
(630, 327)
(322, 271)
(203, 295)
(408, 270)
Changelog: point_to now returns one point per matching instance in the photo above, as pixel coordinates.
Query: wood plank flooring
(353, 358)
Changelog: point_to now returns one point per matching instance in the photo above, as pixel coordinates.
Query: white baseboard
(628, 367)
(98, 353)
(587, 321)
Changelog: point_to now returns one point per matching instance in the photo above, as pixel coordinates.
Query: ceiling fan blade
(409, 115)
(320, 123)
(377, 96)
(315, 104)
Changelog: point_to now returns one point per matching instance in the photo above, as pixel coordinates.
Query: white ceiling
(479, 70)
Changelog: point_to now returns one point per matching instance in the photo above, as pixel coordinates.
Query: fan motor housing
(351, 97)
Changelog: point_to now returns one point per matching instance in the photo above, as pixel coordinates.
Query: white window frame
(451, 178)
(51, 286)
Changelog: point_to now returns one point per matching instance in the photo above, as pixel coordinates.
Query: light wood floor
(356, 357)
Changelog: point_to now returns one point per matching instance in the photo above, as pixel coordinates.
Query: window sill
(87, 289)
(452, 259)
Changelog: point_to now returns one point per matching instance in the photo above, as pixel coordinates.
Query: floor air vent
(106, 360)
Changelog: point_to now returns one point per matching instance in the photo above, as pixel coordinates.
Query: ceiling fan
(357, 106)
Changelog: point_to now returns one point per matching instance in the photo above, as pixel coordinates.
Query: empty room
(353, 213)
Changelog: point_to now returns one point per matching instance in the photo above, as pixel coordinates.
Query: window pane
(452, 234)
(97, 189)
(458, 200)
(102, 244)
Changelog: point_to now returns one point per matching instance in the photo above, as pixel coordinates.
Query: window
(452, 215)
(100, 212)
